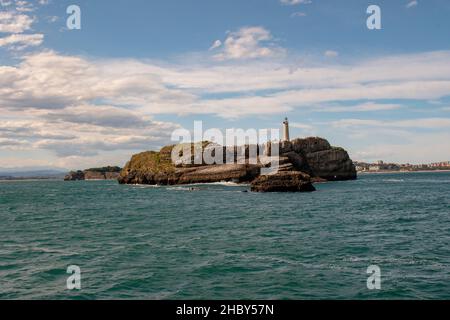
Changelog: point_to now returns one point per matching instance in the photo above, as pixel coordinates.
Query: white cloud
(249, 43)
(423, 123)
(99, 115)
(421, 140)
(51, 81)
(13, 143)
(47, 80)
(295, 2)
(331, 54)
(46, 104)
(301, 125)
(216, 45)
(413, 148)
(384, 72)
(22, 41)
(14, 23)
(364, 107)
(412, 4)
(86, 133)
(298, 14)
(306, 129)
(11, 22)
(24, 6)
(5, 3)
(52, 19)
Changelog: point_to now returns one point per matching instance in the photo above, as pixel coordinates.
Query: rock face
(284, 181)
(105, 173)
(319, 159)
(201, 174)
(332, 165)
(301, 161)
(74, 176)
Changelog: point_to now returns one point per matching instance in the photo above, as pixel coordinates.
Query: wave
(221, 183)
(145, 186)
(227, 183)
(418, 180)
(183, 188)
(431, 180)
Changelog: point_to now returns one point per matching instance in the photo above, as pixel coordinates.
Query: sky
(137, 70)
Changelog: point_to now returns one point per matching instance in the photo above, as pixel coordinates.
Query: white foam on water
(145, 186)
(227, 183)
(181, 188)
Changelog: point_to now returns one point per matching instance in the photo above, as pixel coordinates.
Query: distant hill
(103, 173)
(12, 174)
(105, 169)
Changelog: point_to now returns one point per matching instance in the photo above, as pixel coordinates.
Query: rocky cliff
(319, 159)
(105, 173)
(301, 161)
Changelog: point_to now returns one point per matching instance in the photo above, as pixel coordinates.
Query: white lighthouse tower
(286, 130)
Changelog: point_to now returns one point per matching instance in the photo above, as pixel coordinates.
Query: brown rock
(93, 175)
(217, 173)
(309, 145)
(298, 160)
(105, 173)
(74, 176)
(332, 165)
(287, 181)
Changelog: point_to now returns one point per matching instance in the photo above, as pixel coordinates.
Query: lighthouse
(286, 130)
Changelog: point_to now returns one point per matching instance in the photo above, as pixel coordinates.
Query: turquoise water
(220, 243)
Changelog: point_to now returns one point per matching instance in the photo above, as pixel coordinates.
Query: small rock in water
(285, 181)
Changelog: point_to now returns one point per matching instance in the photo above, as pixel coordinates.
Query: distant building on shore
(381, 166)
(445, 164)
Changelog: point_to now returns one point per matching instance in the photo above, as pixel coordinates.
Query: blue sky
(167, 28)
(137, 70)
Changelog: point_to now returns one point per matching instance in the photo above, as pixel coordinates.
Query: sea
(383, 236)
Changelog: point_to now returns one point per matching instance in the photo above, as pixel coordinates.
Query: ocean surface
(217, 242)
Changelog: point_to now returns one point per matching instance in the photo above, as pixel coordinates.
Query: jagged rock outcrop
(301, 161)
(199, 174)
(284, 181)
(332, 165)
(105, 173)
(74, 176)
(319, 159)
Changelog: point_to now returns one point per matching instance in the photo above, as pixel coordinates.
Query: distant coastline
(384, 167)
(103, 173)
(393, 171)
(15, 179)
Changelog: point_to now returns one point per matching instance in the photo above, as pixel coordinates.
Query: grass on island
(157, 162)
(105, 169)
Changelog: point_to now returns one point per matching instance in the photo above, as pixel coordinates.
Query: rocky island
(104, 173)
(301, 163)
